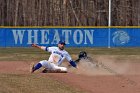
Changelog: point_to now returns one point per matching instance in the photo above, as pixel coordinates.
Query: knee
(43, 62)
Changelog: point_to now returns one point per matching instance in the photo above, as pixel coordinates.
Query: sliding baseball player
(53, 64)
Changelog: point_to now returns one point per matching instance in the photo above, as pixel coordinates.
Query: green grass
(22, 54)
(33, 83)
(29, 83)
(30, 54)
(13, 83)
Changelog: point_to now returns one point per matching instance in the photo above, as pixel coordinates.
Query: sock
(37, 66)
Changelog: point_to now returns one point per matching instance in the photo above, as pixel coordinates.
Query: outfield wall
(73, 36)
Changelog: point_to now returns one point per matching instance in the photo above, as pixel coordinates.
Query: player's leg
(39, 65)
(55, 69)
(35, 67)
(62, 69)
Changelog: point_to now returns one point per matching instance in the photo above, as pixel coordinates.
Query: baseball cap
(62, 42)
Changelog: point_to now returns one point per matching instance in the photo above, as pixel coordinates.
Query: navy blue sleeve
(73, 63)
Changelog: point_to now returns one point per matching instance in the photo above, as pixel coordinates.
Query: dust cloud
(108, 65)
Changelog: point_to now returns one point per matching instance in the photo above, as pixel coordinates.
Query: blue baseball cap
(62, 42)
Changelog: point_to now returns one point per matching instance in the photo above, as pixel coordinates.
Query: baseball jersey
(57, 56)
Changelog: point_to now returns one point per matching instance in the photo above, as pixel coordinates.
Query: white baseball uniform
(56, 58)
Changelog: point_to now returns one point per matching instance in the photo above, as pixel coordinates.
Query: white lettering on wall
(32, 36)
(18, 35)
(56, 37)
(78, 35)
(66, 34)
(44, 37)
(89, 35)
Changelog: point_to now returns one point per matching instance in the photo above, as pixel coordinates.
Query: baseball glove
(82, 55)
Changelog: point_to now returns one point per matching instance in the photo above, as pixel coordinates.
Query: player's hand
(33, 45)
(77, 67)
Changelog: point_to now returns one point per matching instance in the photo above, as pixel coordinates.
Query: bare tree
(68, 12)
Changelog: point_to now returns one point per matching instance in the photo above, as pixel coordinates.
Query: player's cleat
(32, 68)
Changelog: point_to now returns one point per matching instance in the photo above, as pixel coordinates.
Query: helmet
(62, 42)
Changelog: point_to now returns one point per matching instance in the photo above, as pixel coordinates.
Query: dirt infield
(112, 76)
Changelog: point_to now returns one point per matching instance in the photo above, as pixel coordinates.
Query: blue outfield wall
(74, 37)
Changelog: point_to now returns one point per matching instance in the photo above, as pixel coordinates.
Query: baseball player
(58, 54)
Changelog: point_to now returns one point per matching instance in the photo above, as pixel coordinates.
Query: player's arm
(40, 47)
(72, 63)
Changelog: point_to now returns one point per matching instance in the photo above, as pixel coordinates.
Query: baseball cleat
(32, 67)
